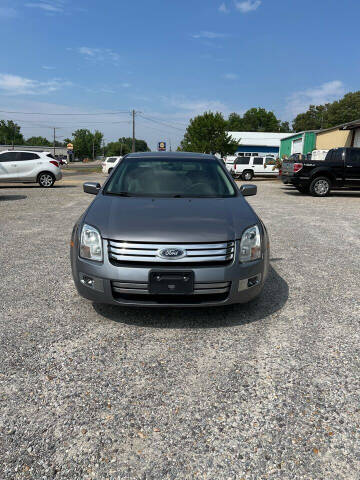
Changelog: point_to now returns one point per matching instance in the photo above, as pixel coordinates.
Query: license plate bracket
(171, 283)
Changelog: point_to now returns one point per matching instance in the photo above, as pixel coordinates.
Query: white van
(109, 164)
(249, 167)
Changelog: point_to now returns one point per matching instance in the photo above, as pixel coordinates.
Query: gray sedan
(169, 229)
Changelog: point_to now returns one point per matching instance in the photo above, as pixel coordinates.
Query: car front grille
(122, 252)
(139, 292)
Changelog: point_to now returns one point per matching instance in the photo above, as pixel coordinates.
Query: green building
(301, 142)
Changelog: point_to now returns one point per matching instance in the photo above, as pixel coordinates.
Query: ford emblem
(172, 253)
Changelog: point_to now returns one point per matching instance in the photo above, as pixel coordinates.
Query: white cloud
(98, 54)
(230, 76)
(51, 7)
(207, 34)
(223, 8)
(16, 85)
(298, 102)
(247, 5)
(7, 12)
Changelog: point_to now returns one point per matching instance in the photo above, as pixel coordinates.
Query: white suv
(248, 167)
(110, 163)
(18, 166)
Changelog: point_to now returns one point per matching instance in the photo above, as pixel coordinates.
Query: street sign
(162, 146)
(70, 146)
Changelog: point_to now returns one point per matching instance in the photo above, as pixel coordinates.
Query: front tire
(46, 179)
(247, 176)
(320, 187)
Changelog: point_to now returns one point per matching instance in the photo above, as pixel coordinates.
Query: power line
(162, 123)
(67, 114)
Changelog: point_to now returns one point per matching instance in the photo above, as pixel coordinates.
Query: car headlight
(91, 244)
(250, 245)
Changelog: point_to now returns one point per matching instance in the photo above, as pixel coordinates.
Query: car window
(170, 177)
(258, 161)
(270, 161)
(111, 160)
(243, 161)
(8, 157)
(23, 156)
(355, 155)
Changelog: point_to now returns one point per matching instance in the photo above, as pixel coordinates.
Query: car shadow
(21, 185)
(271, 300)
(9, 198)
(339, 193)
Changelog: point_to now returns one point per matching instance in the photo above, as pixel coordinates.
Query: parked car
(229, 163)
(319, 154)
(341, 168)
(169, 229)
(109, 163)
(249, 167)
(17, 166)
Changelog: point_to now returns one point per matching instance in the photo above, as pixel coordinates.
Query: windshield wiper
(120, 194)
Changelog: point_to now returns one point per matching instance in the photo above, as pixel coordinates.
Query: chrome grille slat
(141, 288)
(123, 251)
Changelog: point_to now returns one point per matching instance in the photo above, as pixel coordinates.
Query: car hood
(170, 220)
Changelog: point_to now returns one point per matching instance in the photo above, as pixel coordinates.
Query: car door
(258, 165)
(269, 164)
(352, 167)
(8, 166)
(28, 166)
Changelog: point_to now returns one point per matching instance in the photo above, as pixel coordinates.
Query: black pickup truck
(340, 169)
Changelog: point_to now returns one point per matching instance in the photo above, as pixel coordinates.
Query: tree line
(86, 144)
(208, 133)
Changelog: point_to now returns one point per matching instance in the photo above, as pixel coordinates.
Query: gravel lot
(264, 391)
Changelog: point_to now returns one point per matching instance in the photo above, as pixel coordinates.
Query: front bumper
(106, 276)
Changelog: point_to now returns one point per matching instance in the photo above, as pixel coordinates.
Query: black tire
(46, 179)
(110, 170)
(320, 187)
(247, 175)
(302, 189)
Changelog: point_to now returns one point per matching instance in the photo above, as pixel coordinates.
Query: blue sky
(171, 60)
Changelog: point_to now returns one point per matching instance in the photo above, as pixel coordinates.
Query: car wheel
(302, 189)
(247, 176)
(110, 170)
(46, 179)
(320, 187)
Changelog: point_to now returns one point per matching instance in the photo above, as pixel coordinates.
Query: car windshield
(170, 178)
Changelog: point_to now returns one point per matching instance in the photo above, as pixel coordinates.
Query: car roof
(26, 151)
(172, 155)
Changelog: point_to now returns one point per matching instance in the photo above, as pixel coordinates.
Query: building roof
(343, 126)
(258, 139)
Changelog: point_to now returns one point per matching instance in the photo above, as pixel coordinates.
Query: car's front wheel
(46, 179)
(320, 187)
(247, 176)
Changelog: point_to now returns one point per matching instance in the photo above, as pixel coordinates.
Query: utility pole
(133, 135)
(93, 148)
(54, 141)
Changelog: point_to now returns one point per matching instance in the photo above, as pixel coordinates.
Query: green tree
(116, 148)
(207, 133)
(10, 133)
(344, 110)
(86, 143)
(140, 145)
(260, 120)
(235, 123)
(315, 118)
(35, 141)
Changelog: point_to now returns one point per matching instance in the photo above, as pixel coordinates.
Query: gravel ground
(264, 391)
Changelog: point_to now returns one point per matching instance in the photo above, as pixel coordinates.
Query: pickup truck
(340, 169)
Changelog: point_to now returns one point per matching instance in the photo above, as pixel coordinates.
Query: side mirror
(248, 190)
(92, 188)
